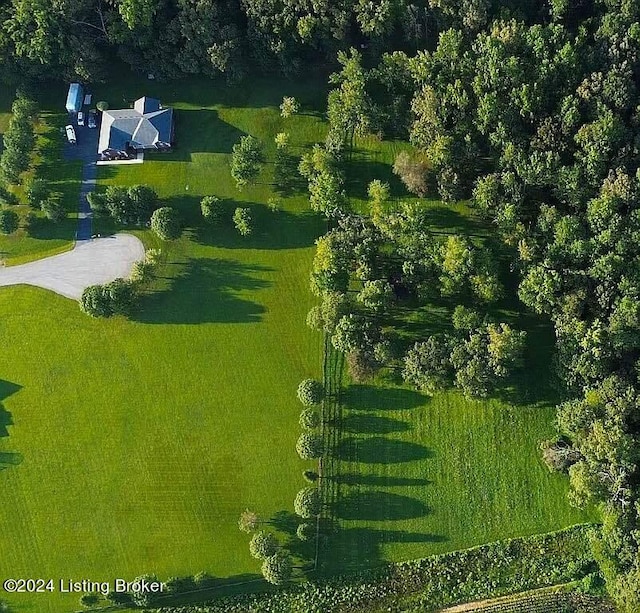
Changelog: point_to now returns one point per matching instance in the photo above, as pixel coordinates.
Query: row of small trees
(277, 562)
(19, 139)
(121, 296)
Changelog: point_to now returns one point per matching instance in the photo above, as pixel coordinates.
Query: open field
(136, 444)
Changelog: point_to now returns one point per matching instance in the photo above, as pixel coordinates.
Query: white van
(71, 134)
(80, 118)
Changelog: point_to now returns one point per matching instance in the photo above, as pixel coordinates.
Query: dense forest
(529, 109)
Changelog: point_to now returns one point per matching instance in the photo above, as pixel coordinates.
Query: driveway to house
(90, 262)
(86, 150)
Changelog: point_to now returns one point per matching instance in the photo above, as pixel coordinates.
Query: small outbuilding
(75, 98)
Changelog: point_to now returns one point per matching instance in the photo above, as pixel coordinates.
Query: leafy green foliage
(246, 160)
(308, 502)
(166, 223)
(9, 221)
(242, 221)
(310, 392)
(263, 545)
(309, 446)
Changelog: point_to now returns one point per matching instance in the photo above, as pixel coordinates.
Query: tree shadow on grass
(379, 480)
(372, 398)
(271, 229)
(357, 548)
(372, 424)
(206, 290)
(379, 506)
(199, 131)
(380, 450)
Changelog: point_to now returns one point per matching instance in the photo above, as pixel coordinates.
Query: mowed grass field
(135, 445)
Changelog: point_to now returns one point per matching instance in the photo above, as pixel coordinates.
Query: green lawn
(134, 445)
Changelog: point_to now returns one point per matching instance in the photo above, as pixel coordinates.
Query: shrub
(242, 221)
(165, 222)
(118, 597)
(289, 106)
(306, 531)
(37, 191)
(211, 209)
(115, 298)
(9, 221)
(309, 419)
(89, 600)
(121, 295)
(413, 172)
(309, 446)
(248, 521)
(361, 366)
(278, 568)
(53, 208)
(263, 545)
(308, 503)
(95, 302)
(310, 392)
(102, 106)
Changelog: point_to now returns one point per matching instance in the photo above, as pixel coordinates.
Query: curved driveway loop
(90, 262)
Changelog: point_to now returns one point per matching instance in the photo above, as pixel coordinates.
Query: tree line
(536, 124)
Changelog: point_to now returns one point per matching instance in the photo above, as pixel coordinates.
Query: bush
(165, 222)
(95, 302)
(289, 106)
(309, 446)
(53, 208)
(278, 568)
(37, 191)
(9, 221)
(119, 597)
(310, 392)
(242, 221)
(309, 419)
(89, 600)
(308, 502)
(211, 209)
(263, 545)
(306, 531)
(413, 172)
(115, 298)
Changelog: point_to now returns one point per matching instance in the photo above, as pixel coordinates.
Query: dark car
(91, 119)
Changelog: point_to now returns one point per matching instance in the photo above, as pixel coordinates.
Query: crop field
(131, 446)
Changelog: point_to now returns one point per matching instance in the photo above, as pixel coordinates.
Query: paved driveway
(90, 262)
(86, 150)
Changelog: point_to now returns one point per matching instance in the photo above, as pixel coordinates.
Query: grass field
(134, 445)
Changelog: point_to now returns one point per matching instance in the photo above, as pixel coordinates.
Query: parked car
(71, 134)
(91, 119)
(80, 118)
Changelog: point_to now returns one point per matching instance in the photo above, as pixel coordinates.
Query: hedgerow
(495, 569)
